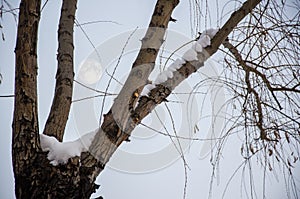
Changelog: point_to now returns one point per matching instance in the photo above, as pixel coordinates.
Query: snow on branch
(60, 152)
(190, 55)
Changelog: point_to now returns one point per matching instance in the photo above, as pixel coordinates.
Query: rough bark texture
(34, 176)
(25, 141)
(56, 122)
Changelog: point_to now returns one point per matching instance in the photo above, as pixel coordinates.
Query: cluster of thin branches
(262, 74)
(6, 7)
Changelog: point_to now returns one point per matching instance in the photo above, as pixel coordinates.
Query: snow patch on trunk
(60, 152)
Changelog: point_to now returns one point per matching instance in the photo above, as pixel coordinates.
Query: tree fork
(77, 177)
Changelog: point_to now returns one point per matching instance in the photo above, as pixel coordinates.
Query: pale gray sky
(165, 178)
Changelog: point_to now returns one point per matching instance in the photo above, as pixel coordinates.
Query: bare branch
(97, 21)
(58, 116)
(249, 69)
(144, 63)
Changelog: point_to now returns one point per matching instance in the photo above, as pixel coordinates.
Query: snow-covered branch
(170, 77)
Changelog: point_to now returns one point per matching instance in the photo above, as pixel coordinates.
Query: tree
(264, 87)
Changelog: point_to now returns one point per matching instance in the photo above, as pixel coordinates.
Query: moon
(90, 71)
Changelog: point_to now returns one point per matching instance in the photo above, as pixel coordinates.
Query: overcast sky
(149, 166)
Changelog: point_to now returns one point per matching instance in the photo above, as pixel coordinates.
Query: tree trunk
(25, 141)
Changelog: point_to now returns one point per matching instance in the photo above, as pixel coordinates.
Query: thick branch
(144, 62)
(114, 129)
(25, 122)
(60, 108)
